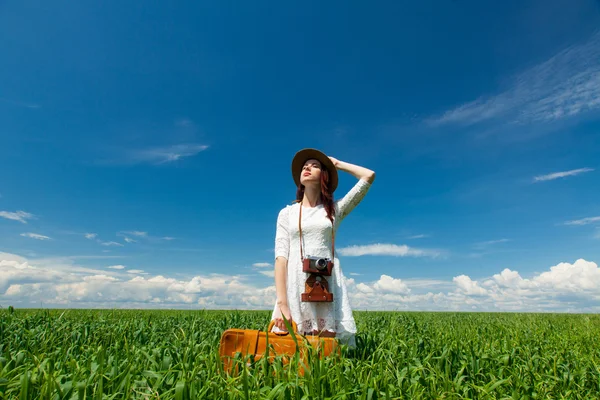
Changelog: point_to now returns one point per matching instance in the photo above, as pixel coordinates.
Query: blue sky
(158, 138)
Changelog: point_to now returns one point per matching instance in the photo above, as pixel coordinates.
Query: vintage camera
(317, 265)
(316, 285)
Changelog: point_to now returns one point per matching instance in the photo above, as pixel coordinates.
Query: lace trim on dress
(320, 324)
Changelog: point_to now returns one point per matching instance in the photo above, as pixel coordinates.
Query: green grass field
(106, 354)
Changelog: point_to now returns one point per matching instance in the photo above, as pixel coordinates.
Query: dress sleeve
(282, 237)
(347, 203)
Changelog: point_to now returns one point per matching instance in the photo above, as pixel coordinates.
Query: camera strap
(300, 230)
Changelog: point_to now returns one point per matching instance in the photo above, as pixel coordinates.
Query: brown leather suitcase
(254, 342)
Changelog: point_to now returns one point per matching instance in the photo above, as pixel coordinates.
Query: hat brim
(306, 154)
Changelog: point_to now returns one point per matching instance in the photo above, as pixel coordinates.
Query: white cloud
(133, 233)
(136, 271)
(468, 286)
(111, 244)
(564, 287)
(35, 236)
(580, 276)
(20, 216)
(14, 271)
(262, 265)
(12, 257)
(141, 235)
(562, 174)
(117, 267)
(90, 236)
(583, 221)
(566, 85)
(578, 284)
(161, 155)
(364, 288)
(382, 249)
(69, 285)
(387, 284)
(490, 243)
(507, 278)
(428, 284)
(421, 236)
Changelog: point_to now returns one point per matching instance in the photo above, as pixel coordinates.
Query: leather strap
(300, 230)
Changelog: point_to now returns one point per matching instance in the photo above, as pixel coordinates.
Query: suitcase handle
(272, 324)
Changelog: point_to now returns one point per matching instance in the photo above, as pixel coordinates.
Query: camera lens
(321, 263)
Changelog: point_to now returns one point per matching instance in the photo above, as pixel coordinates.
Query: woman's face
(311, 173)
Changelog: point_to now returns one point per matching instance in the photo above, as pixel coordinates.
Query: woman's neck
(312, 197)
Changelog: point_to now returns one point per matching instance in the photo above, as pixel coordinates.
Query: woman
(318, 216)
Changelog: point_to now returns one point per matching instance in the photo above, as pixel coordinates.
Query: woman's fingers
(279, 323)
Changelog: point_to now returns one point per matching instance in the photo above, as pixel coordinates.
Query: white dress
(316, 234)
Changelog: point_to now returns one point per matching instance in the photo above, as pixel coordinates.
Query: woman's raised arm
(351, 199)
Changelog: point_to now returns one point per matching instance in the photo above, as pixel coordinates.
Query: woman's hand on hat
(335, 161)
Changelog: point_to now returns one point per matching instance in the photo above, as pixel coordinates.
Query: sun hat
(306, 154)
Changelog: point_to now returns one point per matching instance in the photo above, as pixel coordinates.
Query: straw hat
(306, 154)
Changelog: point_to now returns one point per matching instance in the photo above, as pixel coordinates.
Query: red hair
(326, 195)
